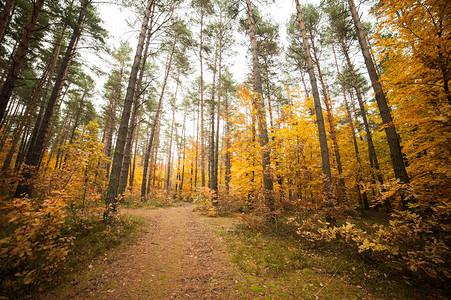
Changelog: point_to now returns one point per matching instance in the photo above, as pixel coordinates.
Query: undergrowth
(277, 263)
(89, 242)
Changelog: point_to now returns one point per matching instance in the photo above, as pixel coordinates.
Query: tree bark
(261, 113)
(333, 134)
(112, 192)
(31, 107)
(128, 146)
(216, 150)
(36, 149)
(399, 167)
(228, 164)
(212, 136)
(154, 124)
(154, 161)
(5, 17)
(168, 173)
(369, 137)
(197, 148)
(112, 120)
(182, 178)
(135, 151)
(19, 56)
(202, 148)
(364, 200)
(317, 101)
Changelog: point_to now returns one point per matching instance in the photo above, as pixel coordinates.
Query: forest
(332, 127)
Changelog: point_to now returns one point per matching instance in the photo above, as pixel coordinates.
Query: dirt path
(178, 257)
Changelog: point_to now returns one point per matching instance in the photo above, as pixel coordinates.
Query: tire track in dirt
(178, 257)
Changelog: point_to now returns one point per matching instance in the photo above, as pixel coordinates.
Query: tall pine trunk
(212, 133)
(202, 147)
(261, 113)
(136, 108)
(107, 150)
(399, 167)
(182, 178)
(363, 201)
(216, 150)
(228, 164)
(112, 192)
(369, 136)
(19, 56)
(5, 16)
(28, 115)
(154, 124)
(168, 173)
(317, 101)
(333, 135)
(36, 149)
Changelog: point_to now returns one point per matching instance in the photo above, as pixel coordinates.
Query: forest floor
(182, 254)
(178, 257)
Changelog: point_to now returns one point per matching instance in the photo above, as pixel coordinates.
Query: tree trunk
(183, 155)
(212, 136)
(17, 61)
(28, 115)
(168, 173)
(399, 167)
(317, 101)
(128, 146)
(154, 159)
(369, 137)
(22, 148)
(36, 149)
(202, 148)
(216, 150)
(112, 120)
(228, 164)
(77, 118)
(155, 122)
(5, 17)
(261, 113)
(135, 151)
(268, 91)
(61, 143)
(112, 192)
(364, 201)
(327, 102)
(197, 148)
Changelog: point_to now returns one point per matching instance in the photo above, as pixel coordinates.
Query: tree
(21, 52)
(397, 160)
(112, 192)
(35, 151)
(261, 112)
(318, 110)
(179, 33)
(203, 7)
(312, 19)
(113, 90)
(5, 16)
(416, 70)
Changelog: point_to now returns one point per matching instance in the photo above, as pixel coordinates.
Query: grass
(279, 266)
(276, 267)
(93, 242)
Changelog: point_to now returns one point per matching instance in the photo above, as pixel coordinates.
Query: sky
(116, 18)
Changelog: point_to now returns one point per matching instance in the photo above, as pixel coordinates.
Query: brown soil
(179, 257)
